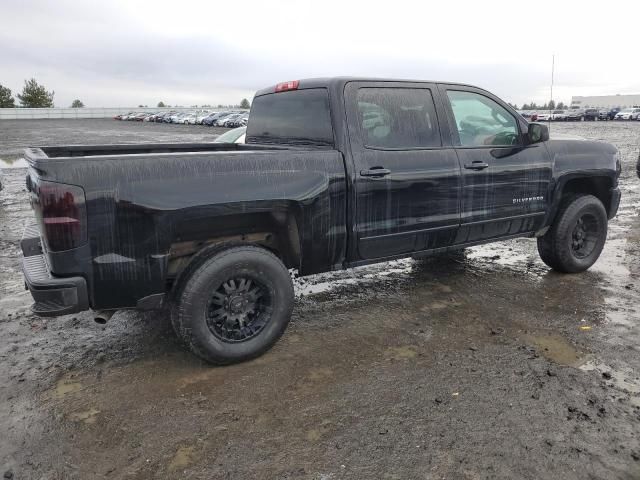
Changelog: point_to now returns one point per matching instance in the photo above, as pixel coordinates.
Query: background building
(606, 101)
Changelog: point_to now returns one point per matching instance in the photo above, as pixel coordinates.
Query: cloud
(123, 52)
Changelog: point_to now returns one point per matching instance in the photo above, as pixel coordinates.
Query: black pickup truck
(335, 173)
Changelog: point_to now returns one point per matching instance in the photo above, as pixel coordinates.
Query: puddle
(624, 379)
(612, 262)
(620, 310)
(316, 434)
(88, 416)
(325, 283)
(183, 458)
(320, 373)
(622, 318)
(64, 387)
(401, 353)
(557, 349)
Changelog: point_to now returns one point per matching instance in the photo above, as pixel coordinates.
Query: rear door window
(297, 117)
(397, 118)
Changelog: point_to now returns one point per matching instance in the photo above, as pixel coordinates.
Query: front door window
(480, 121)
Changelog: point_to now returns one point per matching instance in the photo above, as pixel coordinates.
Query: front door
(504, 180)
(407, 181)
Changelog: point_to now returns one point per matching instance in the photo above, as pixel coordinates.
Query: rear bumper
(614, 202)
(52, 295)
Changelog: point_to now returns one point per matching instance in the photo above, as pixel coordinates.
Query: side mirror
(538, 133)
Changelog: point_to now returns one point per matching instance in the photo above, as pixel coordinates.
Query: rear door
(504, 180)
(407, 179)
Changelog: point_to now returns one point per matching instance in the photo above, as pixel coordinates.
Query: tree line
(244, 103)
(551, 105)
(35, 95)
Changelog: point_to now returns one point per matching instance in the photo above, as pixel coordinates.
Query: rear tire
(576, 238)
(234, 306)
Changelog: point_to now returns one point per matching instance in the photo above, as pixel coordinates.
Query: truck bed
(148, 205)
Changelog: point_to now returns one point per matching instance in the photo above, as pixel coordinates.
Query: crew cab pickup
(335, 173)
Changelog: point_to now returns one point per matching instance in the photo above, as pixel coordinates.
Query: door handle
(476, 165)
(375, 172)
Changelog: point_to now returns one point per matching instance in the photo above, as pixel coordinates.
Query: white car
(628, 114)
(559, 115)
(544, 116)
(189, 119)
(177, 118)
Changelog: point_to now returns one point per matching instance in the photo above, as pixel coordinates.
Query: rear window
(295, 117)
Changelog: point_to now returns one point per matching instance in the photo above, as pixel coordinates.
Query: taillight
(63, 215)
(285, 86)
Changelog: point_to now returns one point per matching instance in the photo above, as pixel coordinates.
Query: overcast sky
(122, 53)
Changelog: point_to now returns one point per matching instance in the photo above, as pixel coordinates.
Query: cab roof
(338, 82)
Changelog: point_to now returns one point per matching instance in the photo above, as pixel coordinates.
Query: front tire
(576, 238)
(235, 305)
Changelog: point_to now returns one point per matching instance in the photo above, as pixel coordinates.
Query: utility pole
(553, 61)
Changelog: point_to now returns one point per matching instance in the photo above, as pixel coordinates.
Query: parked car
(559, 115)
(628, 114)
(220, 121)
(591, 114)
(122, 116)
(208, 120)
(166, 118)
(613, 112)
(151, 117)
(575, 115)
(237, 121)
(211, 231)
(201, 116)
(189, 119)
(544, 116)
(231, 121)
(237, 135)
(177, 117)
(138, 117)
(603, 114)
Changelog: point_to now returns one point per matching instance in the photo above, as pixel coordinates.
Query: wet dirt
(484, 364)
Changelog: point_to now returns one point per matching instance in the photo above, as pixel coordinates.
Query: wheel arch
(276, 232)
(597, 185)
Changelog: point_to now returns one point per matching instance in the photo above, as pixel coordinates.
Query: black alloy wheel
(239, 309)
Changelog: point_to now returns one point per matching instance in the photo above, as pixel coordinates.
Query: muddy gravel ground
(481, 365)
